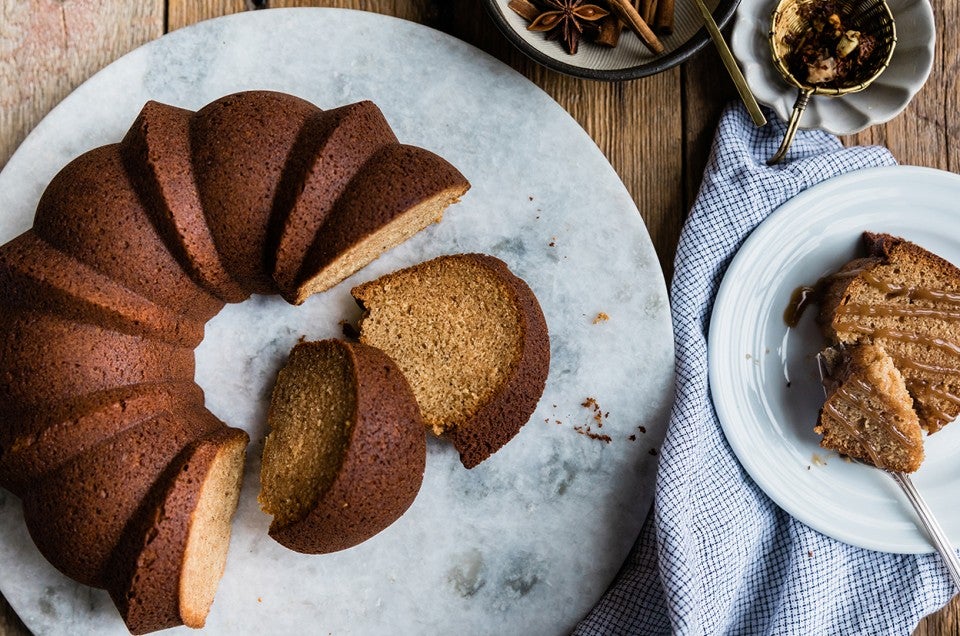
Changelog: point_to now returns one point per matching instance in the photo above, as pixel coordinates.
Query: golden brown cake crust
(145, 573)
(93, 191)
(156, 153)
(241, 144)
(77, 514)
(502, 417)
(382, 468)
(395, 180)
(36, 276)
(34, 443)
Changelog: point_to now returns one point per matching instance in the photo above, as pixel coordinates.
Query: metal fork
(928, 522)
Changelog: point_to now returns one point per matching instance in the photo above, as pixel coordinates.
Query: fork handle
(803, 98)
(931, 525)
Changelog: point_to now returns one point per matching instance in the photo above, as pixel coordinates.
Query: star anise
(565, 19)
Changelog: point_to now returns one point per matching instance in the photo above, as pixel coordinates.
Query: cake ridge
(37, 276)
(162, 171)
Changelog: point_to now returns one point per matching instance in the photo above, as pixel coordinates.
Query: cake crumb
(810, 553)
(632, 438)
(591, 403)
(588, 433)
(259, 599)
(642, 429)
(529, 198)
(653, 451)
(553, 241)
(817, 460)
(601, 317)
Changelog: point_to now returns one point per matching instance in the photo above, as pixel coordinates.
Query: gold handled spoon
(731, 64)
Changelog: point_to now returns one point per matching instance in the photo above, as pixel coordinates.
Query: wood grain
(48, 47)
(656, 132)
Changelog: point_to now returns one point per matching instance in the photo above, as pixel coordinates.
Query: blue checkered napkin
(717, 556)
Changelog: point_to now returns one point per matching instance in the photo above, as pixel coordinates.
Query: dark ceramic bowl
(630, 59)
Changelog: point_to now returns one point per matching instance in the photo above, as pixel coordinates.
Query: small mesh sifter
(793, 23)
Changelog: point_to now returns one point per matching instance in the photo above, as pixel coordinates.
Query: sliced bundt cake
(907, 300)
(77, 514)
(399, 191)
(472, 341)
(868, 414)
(127, 482)
(346, 451)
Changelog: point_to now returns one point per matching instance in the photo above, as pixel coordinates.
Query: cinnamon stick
(610, 28)
(647, 10)
(663, 21)
(525, 9)
(628, 13)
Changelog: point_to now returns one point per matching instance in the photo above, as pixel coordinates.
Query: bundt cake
(906, 300)
(471, 339)
(868, 414)
(128, 483)
(345, 454)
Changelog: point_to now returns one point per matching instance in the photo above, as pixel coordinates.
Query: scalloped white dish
(880, 102)
(763, 376)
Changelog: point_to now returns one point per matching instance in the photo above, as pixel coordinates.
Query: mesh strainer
(795, 21)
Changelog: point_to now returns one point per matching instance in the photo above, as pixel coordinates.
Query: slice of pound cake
(906, 300)
(471, 339)
(346, 451)
(869, 414)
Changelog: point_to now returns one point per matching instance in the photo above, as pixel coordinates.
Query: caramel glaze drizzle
(924, 391)
(856, 397)
(913, 293)
(806, 295)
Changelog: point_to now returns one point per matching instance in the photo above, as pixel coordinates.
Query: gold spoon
(731, 63)
(791, 23)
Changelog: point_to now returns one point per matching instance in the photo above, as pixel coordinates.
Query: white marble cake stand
(523, 544)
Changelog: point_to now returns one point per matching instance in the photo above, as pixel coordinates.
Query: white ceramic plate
(880, 102)
(526, 542)
(763, 376)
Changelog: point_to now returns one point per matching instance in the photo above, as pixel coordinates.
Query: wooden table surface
(656, 132)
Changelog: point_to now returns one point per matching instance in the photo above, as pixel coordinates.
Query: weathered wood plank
(48, 47)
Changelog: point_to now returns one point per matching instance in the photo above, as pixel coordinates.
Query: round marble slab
(527, 541)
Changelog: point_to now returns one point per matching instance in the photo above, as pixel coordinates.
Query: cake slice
(157, 156)
(906, 300)
(241, 146)
(334, 145)
(36, 276)
(167, 569)
(77, 514)
(91, 211)
(471, 339)
(346, 451)
(868, 414)
(399, 191)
